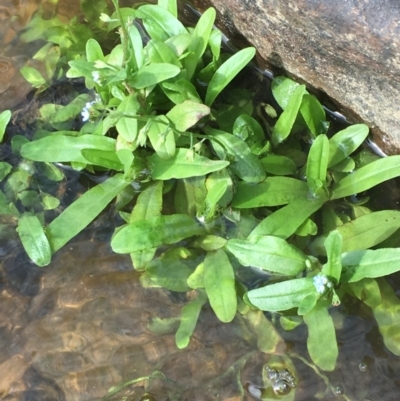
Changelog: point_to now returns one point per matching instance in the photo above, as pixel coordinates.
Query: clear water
(76, 328)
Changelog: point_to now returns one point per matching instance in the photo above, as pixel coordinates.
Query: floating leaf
(367, 177)
(83, 211)
(268, 253)
(34, 239)
(321, 341)
(219, 283)
(160, 230)
(181, 166)
(226, 72)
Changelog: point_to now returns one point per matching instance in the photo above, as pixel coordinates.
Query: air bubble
(338, 390)
(362, 367)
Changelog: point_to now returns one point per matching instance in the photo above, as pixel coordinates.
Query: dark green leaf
(34, 239)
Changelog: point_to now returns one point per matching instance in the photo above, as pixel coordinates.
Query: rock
(349, 50)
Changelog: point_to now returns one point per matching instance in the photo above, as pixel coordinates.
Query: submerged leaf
(34, 239)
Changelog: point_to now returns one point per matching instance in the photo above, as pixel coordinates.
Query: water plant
(191, 164)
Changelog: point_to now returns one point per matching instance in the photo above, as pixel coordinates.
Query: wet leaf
(152, 74)
(285, 122)
(285, 221)
(159, 22)
(180, 166)
(226, 72)
(83, 211)
(219, 283)
(387, 315)
(244, 163)
(268, 253)
(64, 148)
(187, 114)
(321, 341)
(314, 115)
(189, 315)
(283, 89)
(370, 264)
(268, 339)
(345, 142)
(5, 118)
(317, 165)
(367, 177)
(34, 239)
(160, 230)
(281, 296)
(273, 191)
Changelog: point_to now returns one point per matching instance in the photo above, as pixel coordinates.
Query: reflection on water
(71, 331)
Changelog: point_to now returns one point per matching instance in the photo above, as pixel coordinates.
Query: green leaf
(190, 195)
(281, 296)
(196, 279)
(278, 165)
(321, 341)
(370, 264)
(314, 115)
(161, 136)
(226, 72)
(170, 5)
(211, 242)
(127, 126)
(273, 191)
(366, 231)
(285, 221)
(64, 148)
(286, 120)
(333, 246)
(244, 163)
(93, 51)
(317, 165)
(34, 239)
(202, 32)
(49, 202)
(387, 315)
(159, 52)
(268, 338)
(187, 114)
(83, 211)
(103, 158)
(219, 283)
(181, 166)
(5, 118)
(152, 74)
(283, 89)
(180, 91)
(268, 253)
(189, 315)
(159, 22)
(5, 169)
(345, 142)
(367, 177)
(367, 290)
(33, 76)
(160, 230)
(137, 46)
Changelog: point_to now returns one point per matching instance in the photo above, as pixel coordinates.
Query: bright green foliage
(194, 165)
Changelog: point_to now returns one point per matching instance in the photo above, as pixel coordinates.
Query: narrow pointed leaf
(83, 211)
(219, 283)
(333, 246)
(5, 117)
(367, 177)
(317, 164)
(226, 72)
(181, 166)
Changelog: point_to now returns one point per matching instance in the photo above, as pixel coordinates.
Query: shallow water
(83, 324)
